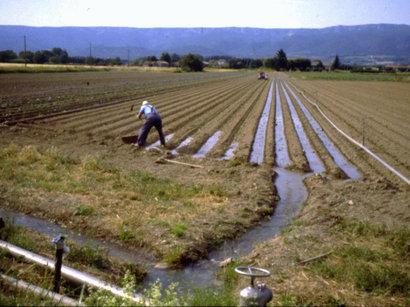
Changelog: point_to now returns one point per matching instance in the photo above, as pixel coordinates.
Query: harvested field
(78, 168)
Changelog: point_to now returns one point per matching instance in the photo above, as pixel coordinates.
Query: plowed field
(178, 213)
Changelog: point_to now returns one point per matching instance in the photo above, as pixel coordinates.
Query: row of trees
(54, 56)
(189, 62)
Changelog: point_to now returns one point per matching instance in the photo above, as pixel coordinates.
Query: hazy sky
(210, 13)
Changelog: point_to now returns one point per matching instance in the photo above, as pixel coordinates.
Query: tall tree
(336, 63)
(151, 58)
(166, 57)
(175, 58)
(281, 60)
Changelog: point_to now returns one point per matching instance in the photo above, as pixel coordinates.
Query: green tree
(336, 63)
(26, 56)
(318, 66)
(42, 56)
(114, 61)
(151, 58)
(191, 62)
(166, 57)
(299, 64)
(175, 58)
(60, 56)
(255, 63)
(281, 60)
(90, 60)
(270, 63)
(7, 55)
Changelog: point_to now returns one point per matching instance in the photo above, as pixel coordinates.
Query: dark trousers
(152, 121)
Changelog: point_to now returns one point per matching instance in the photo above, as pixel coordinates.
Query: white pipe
(55, 297)
(384, 163)
(70, 273)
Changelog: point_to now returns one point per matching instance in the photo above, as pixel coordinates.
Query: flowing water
(258, 146)
(230, 152)
(349, 169)
(184, 143)
(157, 143)
(315, 163)
(210, 143)
(50, 229)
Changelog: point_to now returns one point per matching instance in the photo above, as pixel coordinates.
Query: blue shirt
(148, 110)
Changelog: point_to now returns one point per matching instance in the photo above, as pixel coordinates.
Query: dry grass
(134, 208)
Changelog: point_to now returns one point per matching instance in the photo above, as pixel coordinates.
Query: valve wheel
(252, 271)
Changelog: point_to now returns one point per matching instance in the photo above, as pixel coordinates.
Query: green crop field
(351, 76)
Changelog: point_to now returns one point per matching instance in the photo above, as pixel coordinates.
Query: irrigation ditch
(288, 183)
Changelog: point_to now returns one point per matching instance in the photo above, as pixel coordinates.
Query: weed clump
(83, 210)
(87, 255)
(179, 229)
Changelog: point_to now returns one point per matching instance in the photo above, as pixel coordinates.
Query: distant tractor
(263, 76)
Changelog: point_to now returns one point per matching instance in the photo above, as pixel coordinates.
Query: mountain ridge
(384, 41)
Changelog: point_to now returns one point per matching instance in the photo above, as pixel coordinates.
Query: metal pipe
(71, 274)
(55, 297)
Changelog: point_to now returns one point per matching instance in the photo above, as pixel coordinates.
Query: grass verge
(350, 76)
(178, 222)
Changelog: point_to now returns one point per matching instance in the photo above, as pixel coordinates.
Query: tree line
(188, 62)
(54, 56)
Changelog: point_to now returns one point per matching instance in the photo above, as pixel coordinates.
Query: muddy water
(230, 152)
(210, 143)
(349, 169)
(184, 143)
(50, 229)
(315, 163)
(258, 147)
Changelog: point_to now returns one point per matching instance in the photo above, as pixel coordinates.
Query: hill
(355, 44)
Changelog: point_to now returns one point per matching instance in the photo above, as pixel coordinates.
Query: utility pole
(90, 51)
(25, 52)
(128, 56)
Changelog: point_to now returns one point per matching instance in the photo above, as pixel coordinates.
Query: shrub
(191, 62)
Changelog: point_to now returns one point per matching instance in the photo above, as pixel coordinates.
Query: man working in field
(152, 118)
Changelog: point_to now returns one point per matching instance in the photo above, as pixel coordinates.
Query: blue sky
(210, 13)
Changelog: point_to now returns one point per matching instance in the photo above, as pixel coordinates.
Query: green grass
(349, 76)
(179, 229)
(371, 263)
(83, 210)
(27, 167)
(88, 255)
(173, 256)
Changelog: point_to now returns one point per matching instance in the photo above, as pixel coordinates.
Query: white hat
(145, 102)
